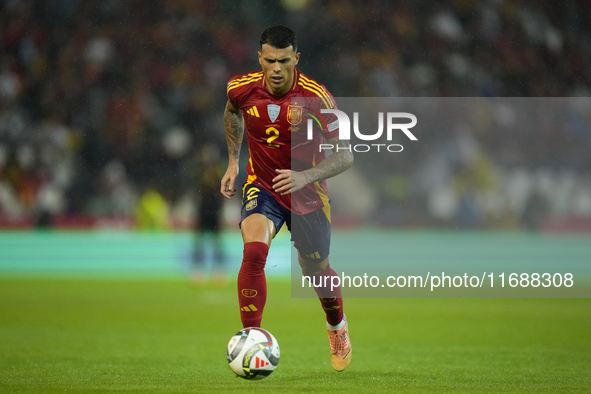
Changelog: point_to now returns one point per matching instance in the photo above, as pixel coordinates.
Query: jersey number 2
(274, 134)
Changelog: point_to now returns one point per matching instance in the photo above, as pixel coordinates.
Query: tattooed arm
(234, 126)
(341, 160)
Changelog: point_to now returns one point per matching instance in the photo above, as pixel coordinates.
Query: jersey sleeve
(332, 122)
(232, 91)
(240, 86)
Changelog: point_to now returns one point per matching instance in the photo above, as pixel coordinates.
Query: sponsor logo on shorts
(313, 256)
(249, 293)
(251, 204)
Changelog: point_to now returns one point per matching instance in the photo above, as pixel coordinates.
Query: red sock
(252, 285)
(332, 301)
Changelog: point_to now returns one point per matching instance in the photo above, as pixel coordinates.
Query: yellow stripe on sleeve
(311, 82)
(244, 83)
(326, 103)
(320, 88)
(245, 78)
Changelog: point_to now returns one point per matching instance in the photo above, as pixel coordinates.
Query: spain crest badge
(294, 114)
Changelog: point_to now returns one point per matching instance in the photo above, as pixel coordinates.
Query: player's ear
(297, 58)
(260, 58)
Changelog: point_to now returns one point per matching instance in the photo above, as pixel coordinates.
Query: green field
(159, 334)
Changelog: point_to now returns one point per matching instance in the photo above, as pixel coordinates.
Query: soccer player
(262, 101)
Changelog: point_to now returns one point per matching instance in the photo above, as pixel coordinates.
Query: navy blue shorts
(310, 233)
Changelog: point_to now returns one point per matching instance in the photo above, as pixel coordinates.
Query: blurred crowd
(508, 162)
(105, 101)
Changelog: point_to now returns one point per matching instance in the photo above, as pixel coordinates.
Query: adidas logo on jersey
(253, 111)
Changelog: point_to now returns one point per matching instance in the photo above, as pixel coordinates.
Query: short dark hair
(279, 37)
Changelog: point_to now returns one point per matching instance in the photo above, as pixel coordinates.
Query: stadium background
(108, 107)
(96, 107)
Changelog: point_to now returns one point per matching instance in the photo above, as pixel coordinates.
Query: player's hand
(288, 181)
(227, 189)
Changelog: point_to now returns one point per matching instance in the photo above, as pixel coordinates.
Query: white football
(253, 353)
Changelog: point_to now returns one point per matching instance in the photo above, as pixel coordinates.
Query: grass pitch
(160, 335)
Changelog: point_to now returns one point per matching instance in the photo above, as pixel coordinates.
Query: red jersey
(276, 132)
